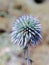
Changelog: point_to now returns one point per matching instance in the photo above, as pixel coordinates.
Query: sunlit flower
(26, 30)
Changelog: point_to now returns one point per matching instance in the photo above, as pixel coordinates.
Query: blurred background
(10, 10)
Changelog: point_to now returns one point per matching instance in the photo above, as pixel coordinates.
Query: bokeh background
(10, 10)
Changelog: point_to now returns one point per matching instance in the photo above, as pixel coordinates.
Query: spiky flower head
(26, 30)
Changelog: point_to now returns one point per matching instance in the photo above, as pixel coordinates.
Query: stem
(27, 56)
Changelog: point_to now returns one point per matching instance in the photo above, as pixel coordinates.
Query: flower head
(26, 29)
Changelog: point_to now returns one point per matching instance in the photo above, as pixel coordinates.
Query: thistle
(26, 31)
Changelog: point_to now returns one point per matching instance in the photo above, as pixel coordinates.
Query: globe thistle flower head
(26, 30)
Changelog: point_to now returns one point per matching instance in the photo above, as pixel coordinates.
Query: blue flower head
(26, 29)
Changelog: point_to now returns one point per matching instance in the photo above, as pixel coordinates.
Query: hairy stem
(27, 56)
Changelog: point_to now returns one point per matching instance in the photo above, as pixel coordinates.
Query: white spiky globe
(26, 29)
